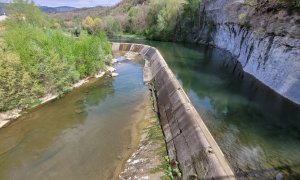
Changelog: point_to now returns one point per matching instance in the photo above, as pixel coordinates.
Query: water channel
(257, 129)
(87, 133)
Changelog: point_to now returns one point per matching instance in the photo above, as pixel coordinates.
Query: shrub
(16, 84)
(37, 60)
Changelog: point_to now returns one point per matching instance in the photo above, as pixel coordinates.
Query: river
(87, 134)
(257, 129)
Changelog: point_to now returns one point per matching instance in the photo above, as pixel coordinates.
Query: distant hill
(47, 9)
(82, 13)
(43, 8)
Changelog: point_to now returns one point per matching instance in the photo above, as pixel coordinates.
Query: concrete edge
(186, 134)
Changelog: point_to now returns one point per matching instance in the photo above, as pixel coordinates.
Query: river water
(257, 129)
(87, 134)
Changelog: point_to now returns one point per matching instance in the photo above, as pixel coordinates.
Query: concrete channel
(190, 144)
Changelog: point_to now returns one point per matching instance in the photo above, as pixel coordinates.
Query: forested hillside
(37, 57)
(169, 20)
(150, 18)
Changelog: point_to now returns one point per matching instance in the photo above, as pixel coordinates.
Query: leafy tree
(25, 11)
(190, 18)
(164, 18)
(97, 24)
(16, 84)
(88, 24)
(93, 26)
(111, 26)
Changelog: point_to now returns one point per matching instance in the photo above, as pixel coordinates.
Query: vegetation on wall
(38, 58)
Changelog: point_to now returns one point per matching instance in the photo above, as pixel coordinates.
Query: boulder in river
(114, 74)
(99, 74)
(110, 69)
(114, 60)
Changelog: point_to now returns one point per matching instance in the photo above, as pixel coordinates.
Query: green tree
(164, 18)
(88, 24)
(98, 24)
(16, 84)
(26, 12)
(112, 27)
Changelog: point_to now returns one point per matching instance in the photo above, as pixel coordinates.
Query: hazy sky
(73, 3)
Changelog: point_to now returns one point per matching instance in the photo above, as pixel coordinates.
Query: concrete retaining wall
(189, 142)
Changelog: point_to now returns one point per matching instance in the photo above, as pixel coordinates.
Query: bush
(38, 60)
(112, 27)
(16, 84)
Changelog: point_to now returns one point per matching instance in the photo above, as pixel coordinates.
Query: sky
(73, 3)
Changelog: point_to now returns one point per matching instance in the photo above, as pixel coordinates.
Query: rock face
(264, 37)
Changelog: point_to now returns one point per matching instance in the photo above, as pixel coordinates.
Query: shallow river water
(87, 134)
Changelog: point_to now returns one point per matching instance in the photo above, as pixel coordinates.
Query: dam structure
(190, 144)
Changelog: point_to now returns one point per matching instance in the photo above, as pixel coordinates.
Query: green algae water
(257, 129)
(87, 134)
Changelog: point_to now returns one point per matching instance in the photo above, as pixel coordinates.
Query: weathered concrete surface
(188, 140)
(265, 38)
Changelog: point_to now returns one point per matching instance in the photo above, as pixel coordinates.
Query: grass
(155, 133)
(36, 103)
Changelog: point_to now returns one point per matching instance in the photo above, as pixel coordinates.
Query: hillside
(45, 9)
(81, 13)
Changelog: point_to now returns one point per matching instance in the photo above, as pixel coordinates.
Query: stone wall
(265, 39)
(189, 142)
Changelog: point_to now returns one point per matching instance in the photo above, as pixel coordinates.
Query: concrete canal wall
(189, 142)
